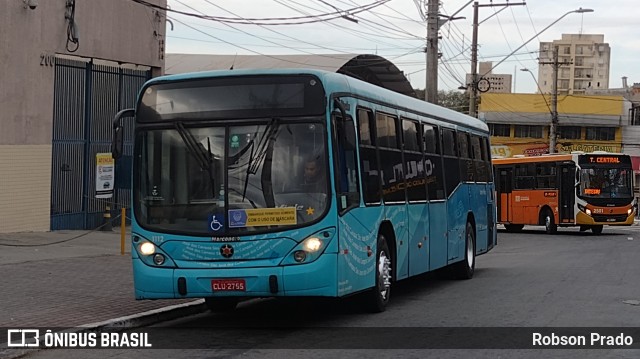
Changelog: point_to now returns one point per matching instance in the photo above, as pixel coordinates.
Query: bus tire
(466, 268)
(550, 226)
(221, 304)
(378, 297)
(597, 229)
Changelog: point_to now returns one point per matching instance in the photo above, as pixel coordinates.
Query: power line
(297, 20)
(356, 33)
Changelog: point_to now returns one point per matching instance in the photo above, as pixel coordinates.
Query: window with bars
(570, 132)
(601, 133)
(528, 131)
(500, 130)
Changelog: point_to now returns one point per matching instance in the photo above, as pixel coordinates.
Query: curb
(121, 324)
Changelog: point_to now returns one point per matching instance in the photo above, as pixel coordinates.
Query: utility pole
(473, 86)
(431, 87)
(553, 129)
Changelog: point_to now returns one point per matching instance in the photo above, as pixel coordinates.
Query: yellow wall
(573, 104)
(25, 188)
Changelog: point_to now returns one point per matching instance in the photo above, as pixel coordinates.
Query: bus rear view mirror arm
(117, 142)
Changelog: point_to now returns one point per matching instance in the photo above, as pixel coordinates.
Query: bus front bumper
(317, 278)
(586, 220)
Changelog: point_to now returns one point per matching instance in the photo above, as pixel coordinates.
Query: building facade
(519, 123)
(584, 59)
(496, 83)
(66, 67)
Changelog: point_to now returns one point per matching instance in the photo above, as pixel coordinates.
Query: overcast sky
(396, 31)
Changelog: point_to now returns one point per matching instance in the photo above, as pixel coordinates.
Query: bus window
(415, 175)
(369, 158)
(393, 186)
(433, 163)
(410, 135)
(467, 170)
(431, 143)
(463, 145)
(448, 142)
(525, 176)
(546, 175)
(451, 163)
(386, 131)
(478, 161)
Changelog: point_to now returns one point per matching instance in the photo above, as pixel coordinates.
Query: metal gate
(86, 98)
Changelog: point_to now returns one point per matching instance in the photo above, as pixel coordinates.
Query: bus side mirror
(117, 142)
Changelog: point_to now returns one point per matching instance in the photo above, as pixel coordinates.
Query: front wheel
(378, 297)
(466, 268)
(596, 229)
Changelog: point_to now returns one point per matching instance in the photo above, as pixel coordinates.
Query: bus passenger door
(567, 193)
(504, 190)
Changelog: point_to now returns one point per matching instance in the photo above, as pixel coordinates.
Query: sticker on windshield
(216, 222)
(262, 217)
(235, 141)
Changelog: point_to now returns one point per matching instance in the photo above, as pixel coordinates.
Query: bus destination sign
(604, 159)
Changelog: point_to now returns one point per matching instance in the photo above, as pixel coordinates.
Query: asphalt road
(530, 280)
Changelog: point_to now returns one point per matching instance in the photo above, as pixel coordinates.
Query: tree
(455, 100)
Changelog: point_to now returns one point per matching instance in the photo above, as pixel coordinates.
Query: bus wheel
(465, 269)
(550, 226)
(596, 229)
(222, 304)
(513, 227)
(378, 297)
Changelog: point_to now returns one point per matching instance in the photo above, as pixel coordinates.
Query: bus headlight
(147, 248)
(158, 259)
(584, 209)
(310, 248)
(299, 256)
(312, 244)
(150, 253)
(629, 211)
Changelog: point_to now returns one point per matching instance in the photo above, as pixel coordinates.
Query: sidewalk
(84, 281)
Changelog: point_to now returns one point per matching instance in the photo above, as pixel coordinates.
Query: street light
(578, 11)
(474, 88)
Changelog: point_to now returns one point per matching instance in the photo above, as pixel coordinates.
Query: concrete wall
(115, 30)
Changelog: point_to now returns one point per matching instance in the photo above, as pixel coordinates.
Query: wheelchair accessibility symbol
(214, 224)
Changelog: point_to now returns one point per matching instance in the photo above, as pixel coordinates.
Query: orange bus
(588, 190)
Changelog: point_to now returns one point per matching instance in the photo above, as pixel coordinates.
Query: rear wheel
(550, 226)
(378, 297)
(466, 268)
(596, 229)
(221, 304)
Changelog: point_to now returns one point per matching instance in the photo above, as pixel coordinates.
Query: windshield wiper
(202, 155)
(269, 135)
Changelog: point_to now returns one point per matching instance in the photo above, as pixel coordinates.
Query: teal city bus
(223, 207)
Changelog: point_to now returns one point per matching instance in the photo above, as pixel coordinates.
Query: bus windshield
(231, 180)
(605, 182)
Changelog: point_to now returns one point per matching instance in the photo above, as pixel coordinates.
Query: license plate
(228, 285)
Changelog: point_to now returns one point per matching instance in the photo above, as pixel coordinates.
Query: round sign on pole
(484, 85)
